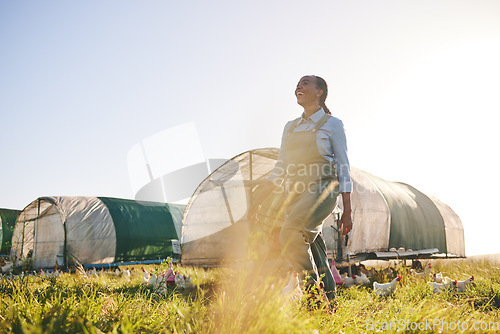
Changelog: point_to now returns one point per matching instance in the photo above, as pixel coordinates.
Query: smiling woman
(312, 169)
(307, 92)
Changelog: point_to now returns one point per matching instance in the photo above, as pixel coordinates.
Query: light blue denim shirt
(332, 145)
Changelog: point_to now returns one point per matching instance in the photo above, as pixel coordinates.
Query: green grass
(233, 301)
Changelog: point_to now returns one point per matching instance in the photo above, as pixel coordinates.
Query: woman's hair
(321, 83)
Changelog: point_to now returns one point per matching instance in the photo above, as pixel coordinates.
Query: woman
(313, 168)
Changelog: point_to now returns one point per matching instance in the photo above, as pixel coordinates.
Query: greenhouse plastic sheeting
(385, 214)
(57, 229)
(91, 230)
(215, 227)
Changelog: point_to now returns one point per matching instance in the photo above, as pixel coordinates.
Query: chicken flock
(159, 281)
(156, 280)
(436, 281)
(363, 277)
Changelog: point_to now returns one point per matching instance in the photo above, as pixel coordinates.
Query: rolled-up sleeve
(279, 172)
(339, 146)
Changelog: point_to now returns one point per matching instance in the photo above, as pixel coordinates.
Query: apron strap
(293, 126)
(321, 121)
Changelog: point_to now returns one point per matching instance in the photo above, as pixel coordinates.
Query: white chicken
(145, 276)
(461, 286)
(386, 288)
(7, 267)
(126, 273)
(152, 280)
(162, 280)
(349, 281)
(361, 279)
(445, 284)
(368, 272)
(425, 274)
(292, 289)
(183, 282)
(437, 277)
(428, 270)
(93, 272)
(188, 285)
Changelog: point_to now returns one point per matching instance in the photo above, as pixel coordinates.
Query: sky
(415, 82)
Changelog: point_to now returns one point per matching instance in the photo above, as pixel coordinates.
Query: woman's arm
(345, 225)
(339, 147)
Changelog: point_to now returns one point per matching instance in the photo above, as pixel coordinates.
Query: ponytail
(321, 84)
(325, 108)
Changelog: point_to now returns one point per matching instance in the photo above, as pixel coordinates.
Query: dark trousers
(302, 243)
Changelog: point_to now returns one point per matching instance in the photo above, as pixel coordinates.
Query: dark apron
(312, 189)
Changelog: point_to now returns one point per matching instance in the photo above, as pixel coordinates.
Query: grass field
(237, 301)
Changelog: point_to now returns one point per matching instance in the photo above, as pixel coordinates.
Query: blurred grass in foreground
(243, 301)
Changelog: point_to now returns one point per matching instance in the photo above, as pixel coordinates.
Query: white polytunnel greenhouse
(59, 231)
(391, 219)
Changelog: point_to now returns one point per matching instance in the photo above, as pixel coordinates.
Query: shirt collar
(314, 117)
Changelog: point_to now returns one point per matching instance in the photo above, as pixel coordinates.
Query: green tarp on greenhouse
(7, 221)
(141, 229)
(95, 230)
(416, 222)
(391, 215)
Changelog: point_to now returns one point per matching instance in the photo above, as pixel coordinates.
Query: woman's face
(307, 91)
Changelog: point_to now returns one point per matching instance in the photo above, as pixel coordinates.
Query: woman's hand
(345, 223)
